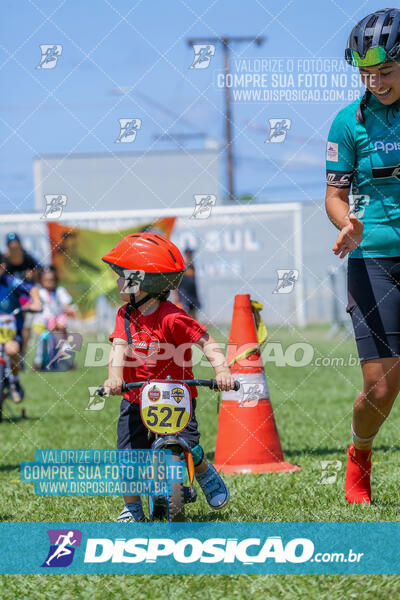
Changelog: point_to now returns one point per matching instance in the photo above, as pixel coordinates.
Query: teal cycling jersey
(366, 157)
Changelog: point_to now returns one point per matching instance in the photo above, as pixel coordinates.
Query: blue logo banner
(213, 548)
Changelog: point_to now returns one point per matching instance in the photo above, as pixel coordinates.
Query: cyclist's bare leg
(12, 349)
(129, 499)
(26, 334)
(202, 467)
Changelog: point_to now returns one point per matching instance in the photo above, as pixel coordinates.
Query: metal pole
(298, 261)
(228, 124)
(226, 41)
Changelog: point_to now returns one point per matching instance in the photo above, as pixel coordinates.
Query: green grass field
(313, 412)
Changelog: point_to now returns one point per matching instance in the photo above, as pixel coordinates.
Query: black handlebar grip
(134, 385)
(102, 392)
(214, 385)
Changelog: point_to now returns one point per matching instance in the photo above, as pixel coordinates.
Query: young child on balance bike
(151, 340)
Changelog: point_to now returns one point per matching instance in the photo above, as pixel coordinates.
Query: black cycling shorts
(374, 305)
(132, 434)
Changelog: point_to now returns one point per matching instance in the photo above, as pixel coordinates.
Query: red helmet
(159, 261)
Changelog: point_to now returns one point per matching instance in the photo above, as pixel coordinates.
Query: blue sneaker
(214, 488)
(132, 513)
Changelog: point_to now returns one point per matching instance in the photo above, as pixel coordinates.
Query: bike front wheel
(176, 501)
(158, 508)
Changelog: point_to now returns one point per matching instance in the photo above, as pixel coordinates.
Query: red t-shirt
(161, 345)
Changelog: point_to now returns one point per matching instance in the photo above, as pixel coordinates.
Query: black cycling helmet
(375, 39)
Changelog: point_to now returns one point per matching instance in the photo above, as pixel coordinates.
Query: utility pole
(226, 42)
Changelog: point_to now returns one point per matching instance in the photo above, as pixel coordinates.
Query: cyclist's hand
(225, 380)
(113, 385)
(350, 237)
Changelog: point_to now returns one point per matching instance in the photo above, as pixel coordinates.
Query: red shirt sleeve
(184, 329)
(119, 329)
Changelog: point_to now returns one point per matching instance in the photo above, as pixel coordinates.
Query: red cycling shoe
(358, 476)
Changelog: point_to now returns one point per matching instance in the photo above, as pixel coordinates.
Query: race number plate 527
(165, 406)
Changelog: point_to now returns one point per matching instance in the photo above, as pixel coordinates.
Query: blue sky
(143, 46)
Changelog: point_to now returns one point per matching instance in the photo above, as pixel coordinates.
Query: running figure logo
(64, 349)
(252, 393)
(278, 129)
(203, 54)
(96, 402)
(54, 206)
(329, 471)
(63, 543)
(203, 205)
(286, 280)
(358, 203)
(128, 130)
(50, 55)
(133, 279)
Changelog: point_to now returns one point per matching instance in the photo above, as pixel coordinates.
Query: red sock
(358, 476)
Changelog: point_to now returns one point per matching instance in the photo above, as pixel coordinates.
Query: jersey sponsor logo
(384, 172)
(386, 147)
(332, 152)
(143, 344)
(339, 178)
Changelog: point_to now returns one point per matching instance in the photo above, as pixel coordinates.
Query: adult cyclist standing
(363, 152)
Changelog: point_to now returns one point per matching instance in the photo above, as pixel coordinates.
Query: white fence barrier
(238, 249)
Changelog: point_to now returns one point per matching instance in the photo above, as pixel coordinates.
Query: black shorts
(374, 305)
(132, 434)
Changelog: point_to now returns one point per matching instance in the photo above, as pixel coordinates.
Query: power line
(225, 42)
(125, 90)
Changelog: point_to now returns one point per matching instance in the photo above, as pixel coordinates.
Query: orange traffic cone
(247, 439)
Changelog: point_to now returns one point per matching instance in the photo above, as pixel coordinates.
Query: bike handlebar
(210, 383)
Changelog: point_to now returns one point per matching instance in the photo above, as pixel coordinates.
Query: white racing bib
(165, 406)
